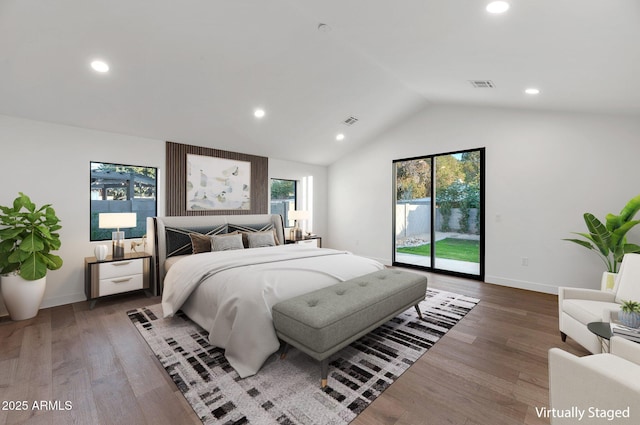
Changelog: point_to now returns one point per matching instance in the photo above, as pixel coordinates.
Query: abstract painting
(218, 183)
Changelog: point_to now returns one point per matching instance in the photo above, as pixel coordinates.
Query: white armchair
(577, 306)
(603, 388)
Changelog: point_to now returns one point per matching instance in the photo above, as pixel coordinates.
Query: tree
(413, 179)
(283, 189)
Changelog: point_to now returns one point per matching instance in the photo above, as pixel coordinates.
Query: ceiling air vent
(350, 121)
(482, 84)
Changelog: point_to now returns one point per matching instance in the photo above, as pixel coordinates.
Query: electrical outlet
(525, 261)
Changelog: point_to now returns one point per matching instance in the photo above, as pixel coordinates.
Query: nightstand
(116, 276)
(312, 240)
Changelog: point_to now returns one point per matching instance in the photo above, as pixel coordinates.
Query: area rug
(288, 391)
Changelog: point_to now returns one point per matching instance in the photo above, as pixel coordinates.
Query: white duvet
(230, 293)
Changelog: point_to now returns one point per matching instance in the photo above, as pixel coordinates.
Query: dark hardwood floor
(490, 369)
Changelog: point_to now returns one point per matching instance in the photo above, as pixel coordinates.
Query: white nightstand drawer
(120, 268)
(118, 284)
(310, 242)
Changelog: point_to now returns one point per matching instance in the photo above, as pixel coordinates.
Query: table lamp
(298, 215)
(117, 221)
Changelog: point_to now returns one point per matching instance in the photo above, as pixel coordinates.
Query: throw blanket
(231, 293)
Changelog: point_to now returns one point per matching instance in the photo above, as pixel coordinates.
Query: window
(438, 213)
(283, 198)
(117, 188)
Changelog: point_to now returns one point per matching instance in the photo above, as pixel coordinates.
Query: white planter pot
(22, 297)
(608, 282)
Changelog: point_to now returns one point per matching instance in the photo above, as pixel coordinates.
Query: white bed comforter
(230, 293)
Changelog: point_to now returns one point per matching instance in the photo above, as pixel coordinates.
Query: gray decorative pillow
(226, 243)
(260, 239)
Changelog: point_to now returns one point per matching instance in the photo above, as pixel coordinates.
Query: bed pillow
(200, 243)
(178, 241)
(254, 228)
(260, 239)
(226, 242)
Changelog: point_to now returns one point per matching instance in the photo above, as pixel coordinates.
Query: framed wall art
(206, 181)
(217, 183)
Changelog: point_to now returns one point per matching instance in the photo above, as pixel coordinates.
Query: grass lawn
(452, 249)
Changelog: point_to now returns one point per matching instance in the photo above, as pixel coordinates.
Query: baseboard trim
(65, 299)
(522, 284)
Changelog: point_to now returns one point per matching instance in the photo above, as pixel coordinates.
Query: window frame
(287, 222)
(95, 233)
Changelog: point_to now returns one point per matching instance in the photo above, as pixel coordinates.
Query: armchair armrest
(602, 381)
(626, 349)
(565, 293)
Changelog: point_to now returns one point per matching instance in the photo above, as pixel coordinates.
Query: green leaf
(33, 268)
(53, 262)
(631, 248)
(582, 243)
(630, 210)
(23, 201)
(32, 243)
(6, 245)
(9, 268)
(599, 233)
(618, 235)
(10, 232)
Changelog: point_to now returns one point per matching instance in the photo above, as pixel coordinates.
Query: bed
(230, 292)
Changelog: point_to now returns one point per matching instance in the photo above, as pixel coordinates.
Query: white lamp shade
(116, 220)
(298, 215)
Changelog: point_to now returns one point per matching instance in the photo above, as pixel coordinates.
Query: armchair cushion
(586, 311)
(626, 349)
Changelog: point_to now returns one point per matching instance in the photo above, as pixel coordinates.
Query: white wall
(543, 171)
(50, 163)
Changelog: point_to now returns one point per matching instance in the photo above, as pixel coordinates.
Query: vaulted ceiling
(194, 71)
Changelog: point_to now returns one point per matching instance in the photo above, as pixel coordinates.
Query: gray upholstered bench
(322, 322)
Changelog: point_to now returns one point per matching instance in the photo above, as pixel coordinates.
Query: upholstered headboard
(169, 236)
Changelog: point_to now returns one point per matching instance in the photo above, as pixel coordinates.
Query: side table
(312, 240)
(603, 331)
(116, 275)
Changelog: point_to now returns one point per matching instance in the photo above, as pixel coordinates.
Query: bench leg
(284, 350)
(324, 371)
(418, 310)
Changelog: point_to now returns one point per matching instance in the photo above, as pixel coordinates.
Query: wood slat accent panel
(177, 180)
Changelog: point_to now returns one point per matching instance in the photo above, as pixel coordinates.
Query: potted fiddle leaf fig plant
(609, 240)
(28, 237)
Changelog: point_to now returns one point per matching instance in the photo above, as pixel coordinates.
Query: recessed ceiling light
(497, 7)
(258, 113)
(99, 66)
(532, 90)
(340, 137)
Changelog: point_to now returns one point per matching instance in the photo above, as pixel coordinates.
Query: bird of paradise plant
(609, 240)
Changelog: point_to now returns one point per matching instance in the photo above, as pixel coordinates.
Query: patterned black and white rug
(288, 391)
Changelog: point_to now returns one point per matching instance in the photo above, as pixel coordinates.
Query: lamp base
(117, 239)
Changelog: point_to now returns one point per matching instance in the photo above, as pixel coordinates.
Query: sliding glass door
(438, 213)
